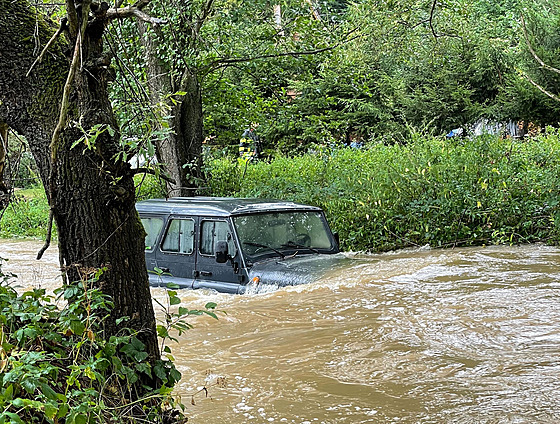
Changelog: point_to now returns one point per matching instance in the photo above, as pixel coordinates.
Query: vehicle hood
(296, 270)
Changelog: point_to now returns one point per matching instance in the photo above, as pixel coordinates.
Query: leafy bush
(436, 191)
(56, 366)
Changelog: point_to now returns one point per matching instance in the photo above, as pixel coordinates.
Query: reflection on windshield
(267, 233)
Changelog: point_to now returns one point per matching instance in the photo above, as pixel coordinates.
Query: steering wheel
(303, 239)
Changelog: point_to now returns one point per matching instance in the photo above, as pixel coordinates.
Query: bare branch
(65, 99)
(129, 12)
(548, 93)
(431, 20)
(432, 28)
(221, 62)
(533, 53)
(49, 236)
(49, 44)
(152, 172)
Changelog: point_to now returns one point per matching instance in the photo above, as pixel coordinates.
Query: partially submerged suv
(235, 245)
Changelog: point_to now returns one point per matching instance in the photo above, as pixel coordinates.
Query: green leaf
(14, 418)
(77, 327)
(211, 305)
(50, 410)
(48, 392)
(8, 392)
(63, 410)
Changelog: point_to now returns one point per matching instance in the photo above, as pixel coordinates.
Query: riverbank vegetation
(57, 364)
(436, 191)
(441, 192)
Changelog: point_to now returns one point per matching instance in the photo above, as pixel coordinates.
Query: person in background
(248, 145)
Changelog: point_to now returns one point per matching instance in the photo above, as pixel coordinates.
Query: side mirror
(221, 252)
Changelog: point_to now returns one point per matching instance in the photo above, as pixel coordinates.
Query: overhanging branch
(133, 12)
(224, 62)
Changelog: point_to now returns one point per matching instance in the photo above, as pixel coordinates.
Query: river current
(419, 336)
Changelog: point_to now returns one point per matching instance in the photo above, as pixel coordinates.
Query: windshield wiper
(264, 246)
(299, 246)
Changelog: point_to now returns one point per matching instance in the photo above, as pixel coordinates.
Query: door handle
(205, 273)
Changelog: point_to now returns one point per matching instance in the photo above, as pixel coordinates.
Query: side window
(153, 227)
(212, 232)
(179, 237)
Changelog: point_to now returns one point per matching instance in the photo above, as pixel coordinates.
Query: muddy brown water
(424, 336)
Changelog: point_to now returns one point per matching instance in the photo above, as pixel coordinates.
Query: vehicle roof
(218, 206)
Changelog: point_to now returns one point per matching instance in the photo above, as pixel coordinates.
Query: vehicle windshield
(275, 234)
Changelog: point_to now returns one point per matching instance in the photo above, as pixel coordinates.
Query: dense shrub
(58, 366)
(436, 191)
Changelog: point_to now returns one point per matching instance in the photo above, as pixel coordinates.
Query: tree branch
(49, 235)
(548, 93)
(131, 11)
(152, 172)
(431, 20)
(221, 62)
(62, 119)
(63, 24)
(534, 54)
(65, 98)
(141, 4)
(205, 13)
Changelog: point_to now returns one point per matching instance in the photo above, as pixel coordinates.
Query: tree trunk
(91, 195)
(4, 186)
(189, 133)
(180, 152)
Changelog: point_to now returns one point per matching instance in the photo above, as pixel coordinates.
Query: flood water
(425, 336)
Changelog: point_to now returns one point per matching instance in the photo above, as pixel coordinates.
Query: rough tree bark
(4, 189)
(91, 195)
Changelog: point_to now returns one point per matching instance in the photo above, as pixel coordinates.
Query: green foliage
(57, 366)
(26, 215)
(409, 63)
(149, 187)
(441, 192)
(519, 98)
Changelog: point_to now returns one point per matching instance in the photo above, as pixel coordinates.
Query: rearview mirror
(221, 252)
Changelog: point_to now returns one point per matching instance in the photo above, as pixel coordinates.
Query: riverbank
(432, 191)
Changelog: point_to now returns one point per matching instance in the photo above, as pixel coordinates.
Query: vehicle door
(153, 225)
(176, 254)
(224, 277)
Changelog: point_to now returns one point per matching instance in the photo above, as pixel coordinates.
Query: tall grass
(441, 192)
(26, 216)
